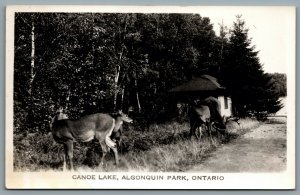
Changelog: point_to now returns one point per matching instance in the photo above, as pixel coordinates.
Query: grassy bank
(164, 147)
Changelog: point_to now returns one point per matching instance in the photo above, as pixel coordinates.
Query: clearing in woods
(262, 149)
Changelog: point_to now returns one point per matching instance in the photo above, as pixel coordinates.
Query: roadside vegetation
(163, 147)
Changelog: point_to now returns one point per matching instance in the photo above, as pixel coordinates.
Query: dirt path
(260, 150)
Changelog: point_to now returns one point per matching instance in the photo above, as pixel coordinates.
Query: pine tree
(251, 89)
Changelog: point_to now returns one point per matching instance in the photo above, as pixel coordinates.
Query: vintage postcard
(150, 97)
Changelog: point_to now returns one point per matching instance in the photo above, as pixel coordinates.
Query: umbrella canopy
(204, 83)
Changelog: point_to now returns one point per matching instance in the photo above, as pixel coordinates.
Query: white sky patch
(272, 30)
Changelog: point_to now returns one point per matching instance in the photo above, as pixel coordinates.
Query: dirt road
(260, 150)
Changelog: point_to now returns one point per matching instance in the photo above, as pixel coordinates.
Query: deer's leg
(197, 133)
(193, 129)
(209, 131)
(219, 135)
(65, 158)
(68, 157)
(114, 146)
(65, 163)
(115, 150)
(200, 132)
(104, 150)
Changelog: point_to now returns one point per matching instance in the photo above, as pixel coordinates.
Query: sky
(272, 30)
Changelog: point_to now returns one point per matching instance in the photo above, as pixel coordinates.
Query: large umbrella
(202, 84)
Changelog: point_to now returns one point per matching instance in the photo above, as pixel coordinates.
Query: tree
(243, 76)
(101, 62)
(279, 81)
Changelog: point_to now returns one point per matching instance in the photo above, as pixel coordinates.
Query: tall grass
(163, 147)
(245, 125)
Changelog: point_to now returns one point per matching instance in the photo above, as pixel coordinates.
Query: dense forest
(103, 62)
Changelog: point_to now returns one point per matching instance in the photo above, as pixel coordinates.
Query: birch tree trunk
(30, 115)
(122, 98)
(118, 66)
(137, 97)
(32, 60)
(116, 90)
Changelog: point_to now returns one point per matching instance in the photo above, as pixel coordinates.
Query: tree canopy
(101, 62)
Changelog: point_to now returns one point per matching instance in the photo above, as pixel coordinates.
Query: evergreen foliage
(252, 90)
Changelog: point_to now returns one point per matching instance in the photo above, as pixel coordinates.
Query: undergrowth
(163, 147)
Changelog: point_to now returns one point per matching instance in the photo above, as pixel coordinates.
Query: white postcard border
(47, 180)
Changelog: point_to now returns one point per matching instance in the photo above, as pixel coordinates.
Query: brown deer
(58, 116)
(199, 116)
(96, 126)
(206, 112)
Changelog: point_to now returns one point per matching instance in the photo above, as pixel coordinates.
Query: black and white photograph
(150, 97)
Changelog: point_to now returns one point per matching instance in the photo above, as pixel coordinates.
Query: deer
(99, 126)
(206, 113)
(59, 115)
(199, 115)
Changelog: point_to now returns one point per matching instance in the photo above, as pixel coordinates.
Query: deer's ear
(120, 112)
